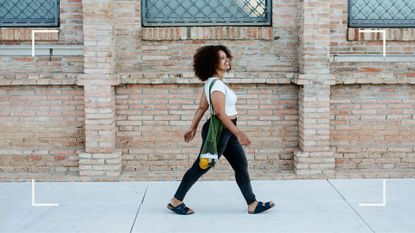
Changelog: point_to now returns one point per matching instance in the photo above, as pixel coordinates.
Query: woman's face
(224, 61)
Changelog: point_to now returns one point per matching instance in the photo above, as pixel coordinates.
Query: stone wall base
(101, 164)
(314, 163)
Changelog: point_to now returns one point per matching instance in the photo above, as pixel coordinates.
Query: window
(206, 12)
(381, 13)
(29, 13)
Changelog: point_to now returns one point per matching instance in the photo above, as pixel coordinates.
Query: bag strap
(212, 111)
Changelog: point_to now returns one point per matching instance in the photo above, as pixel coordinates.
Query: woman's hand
(243, 139)
(189, 135)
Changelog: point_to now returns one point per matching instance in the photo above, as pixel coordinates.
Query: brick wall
(344, 40)
(154, 55)
(149, 50)
(128, 100)
(373, 126)
(371, 118)
(40, 65)
(374, 72)
(70, 33)
(151, 121)
(41, 129)
(365, 43)
(70, 30)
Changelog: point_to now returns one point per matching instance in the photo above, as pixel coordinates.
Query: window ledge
(189, 78)
(42, 50)
(372, 58)
(25, 34)
(392, 34)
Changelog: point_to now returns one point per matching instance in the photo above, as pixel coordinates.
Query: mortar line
(138, 210)
(361, 218)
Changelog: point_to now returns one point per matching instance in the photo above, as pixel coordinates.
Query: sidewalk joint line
(361, 218)
(138, 210)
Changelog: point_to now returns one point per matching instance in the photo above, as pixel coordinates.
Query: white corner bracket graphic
(33, 37)
(39, 204)
(383, 204)
(383, 32)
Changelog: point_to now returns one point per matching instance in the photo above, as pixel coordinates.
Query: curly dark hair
(206, 59)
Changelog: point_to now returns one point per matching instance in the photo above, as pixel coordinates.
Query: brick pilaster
(314, 156)
(101, 158)
(98, 36)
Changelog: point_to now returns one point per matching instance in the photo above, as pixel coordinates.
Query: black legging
(233, 151)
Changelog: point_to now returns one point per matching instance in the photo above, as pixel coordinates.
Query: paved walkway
(123, 207)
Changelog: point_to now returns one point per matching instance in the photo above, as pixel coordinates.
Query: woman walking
(210, 64)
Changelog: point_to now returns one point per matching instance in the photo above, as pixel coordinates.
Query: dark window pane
(206, 12)
(32, 13)
(381, 13)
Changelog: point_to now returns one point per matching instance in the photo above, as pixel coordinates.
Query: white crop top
(230, 96)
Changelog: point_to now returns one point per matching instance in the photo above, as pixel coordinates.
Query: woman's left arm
(203, 106)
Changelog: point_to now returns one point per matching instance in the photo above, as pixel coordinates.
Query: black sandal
(261, 207)
(181, 209)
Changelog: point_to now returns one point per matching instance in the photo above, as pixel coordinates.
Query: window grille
(206, 12)
(381, 13)
(29, 13)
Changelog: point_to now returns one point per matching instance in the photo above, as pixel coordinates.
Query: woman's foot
(174, 203)
(253, 208)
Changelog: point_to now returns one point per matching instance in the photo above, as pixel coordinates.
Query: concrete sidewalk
(122, 207)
